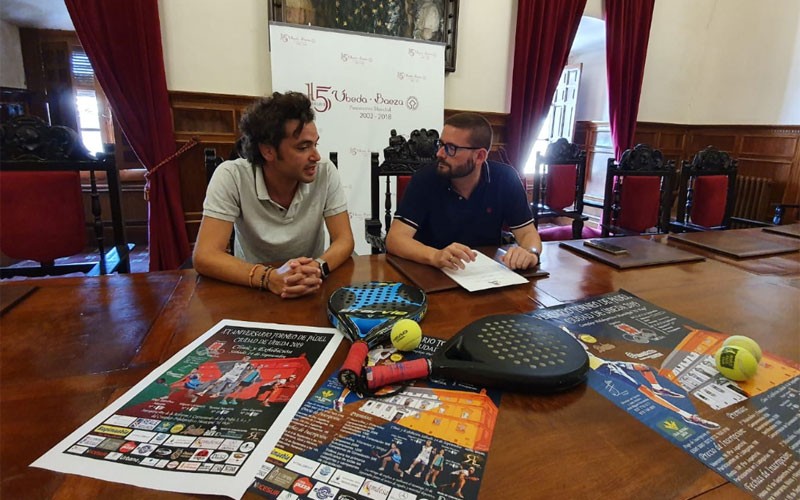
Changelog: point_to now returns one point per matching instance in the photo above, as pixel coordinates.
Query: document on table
(484, 273)
(205, 420)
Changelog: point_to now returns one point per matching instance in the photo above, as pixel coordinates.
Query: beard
(451, 171)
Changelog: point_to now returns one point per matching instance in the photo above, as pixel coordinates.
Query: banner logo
(411, 77)
(297, 40)
(323, 98)
(349, 58)
(421, 54)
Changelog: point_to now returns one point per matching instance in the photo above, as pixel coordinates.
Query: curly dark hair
(264, 122)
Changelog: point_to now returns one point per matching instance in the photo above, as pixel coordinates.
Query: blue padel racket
(365, 314)
(508, 351)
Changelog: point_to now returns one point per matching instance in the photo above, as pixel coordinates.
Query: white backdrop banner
(362, 87)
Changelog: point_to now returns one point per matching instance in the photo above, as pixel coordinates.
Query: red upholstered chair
(41, 202)
(706, 192)
(400, 160)
(638, 193)
(558, 187)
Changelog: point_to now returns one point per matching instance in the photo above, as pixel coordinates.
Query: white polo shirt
(265, 231)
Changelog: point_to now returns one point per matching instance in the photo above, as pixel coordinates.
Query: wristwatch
(323, 267)
(535, 252)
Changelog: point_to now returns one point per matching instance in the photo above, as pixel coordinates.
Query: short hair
(480, 131)
(264, 122)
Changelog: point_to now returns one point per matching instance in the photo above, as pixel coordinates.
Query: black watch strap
(323, 267)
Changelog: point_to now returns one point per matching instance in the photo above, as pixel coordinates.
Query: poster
(362, 87)
(659, 367)
(204, 421)
(430, 440)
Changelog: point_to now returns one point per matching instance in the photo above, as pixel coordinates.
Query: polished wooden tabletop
(72, 345)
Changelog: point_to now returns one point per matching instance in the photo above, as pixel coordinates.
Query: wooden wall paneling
(193, 181)
(699, 140)
(134, 212)
(214, 120)
(762, 150)
(767, 151)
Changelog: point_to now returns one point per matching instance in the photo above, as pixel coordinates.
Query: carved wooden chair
(558, 188)
(401, 159)
(42, 214)
(706, 192)
(638, 193)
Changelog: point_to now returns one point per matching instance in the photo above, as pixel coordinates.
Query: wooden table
(73, 345)
(784, 264)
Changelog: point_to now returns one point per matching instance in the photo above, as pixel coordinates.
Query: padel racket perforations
(508, 351)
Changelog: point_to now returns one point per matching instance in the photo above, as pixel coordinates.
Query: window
(560, 121)
(94, 115)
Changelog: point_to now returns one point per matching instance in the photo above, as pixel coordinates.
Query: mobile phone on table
(606, 247)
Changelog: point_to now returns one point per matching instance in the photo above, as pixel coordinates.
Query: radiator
(752, 198)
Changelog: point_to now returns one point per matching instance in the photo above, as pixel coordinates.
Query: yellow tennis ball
(746, 342)
(406, 335)
(736, 363)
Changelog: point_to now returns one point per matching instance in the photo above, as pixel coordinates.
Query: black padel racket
(365, 314)
(508, 351)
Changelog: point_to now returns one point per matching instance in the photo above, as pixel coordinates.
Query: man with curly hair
(276, 199)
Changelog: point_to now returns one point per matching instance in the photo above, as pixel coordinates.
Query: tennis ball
(406, 335)
(746, 342)
(736, 363)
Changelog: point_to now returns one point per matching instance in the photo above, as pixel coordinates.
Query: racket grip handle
(379, 376)
(353, 365)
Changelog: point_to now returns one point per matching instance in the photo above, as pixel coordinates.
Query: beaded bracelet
(252, 273)
(268, 273)
(264, 277)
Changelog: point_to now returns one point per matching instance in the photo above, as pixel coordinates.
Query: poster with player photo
(204, 421)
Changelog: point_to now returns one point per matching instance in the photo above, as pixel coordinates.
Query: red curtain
(545, 31)
(627, 33)
(123, 43)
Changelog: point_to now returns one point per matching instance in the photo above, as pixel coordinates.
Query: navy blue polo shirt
(441, 216)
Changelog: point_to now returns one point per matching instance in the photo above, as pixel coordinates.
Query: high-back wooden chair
(638, 193)
(558, 188)
(42, 214)
(401, 159)
(706, 192)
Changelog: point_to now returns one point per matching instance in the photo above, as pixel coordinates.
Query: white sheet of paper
(485, 273)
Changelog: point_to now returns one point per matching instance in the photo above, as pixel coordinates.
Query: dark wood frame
(640, 161)
(31, 145)
(707, 162)
(560, 152)
(449, 9)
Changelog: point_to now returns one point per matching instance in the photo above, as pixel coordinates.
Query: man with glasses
(465, 201)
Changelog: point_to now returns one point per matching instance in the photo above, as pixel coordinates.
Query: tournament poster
(430, 440)
(204, 421)
(659, 367)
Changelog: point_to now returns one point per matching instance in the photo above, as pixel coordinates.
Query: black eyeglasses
(452, 149)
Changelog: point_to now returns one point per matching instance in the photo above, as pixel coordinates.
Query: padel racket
(508, 351)
(365, 314)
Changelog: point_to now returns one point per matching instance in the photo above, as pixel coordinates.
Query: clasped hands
(297, 277)
(456, 256)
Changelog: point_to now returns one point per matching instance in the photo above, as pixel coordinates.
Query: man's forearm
(411, 249)
(336, 254)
